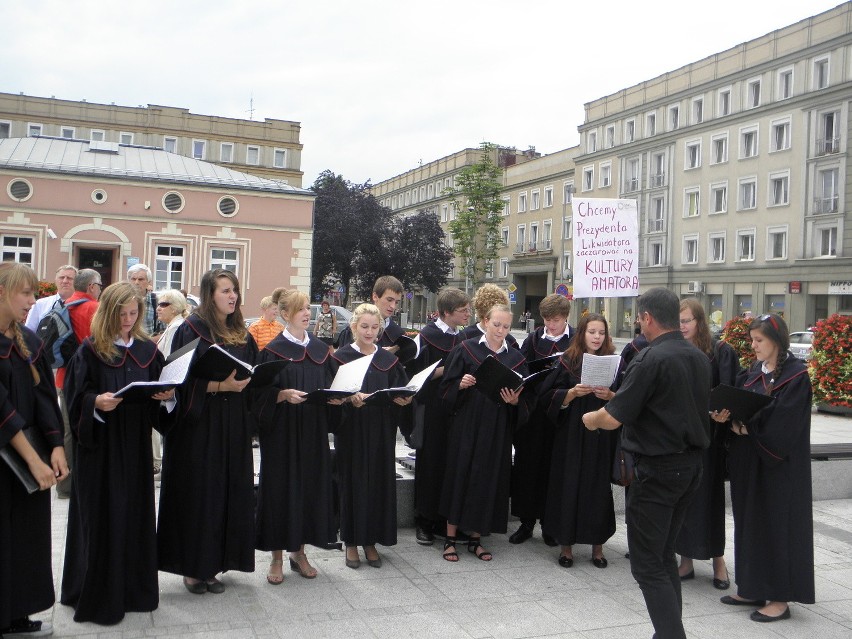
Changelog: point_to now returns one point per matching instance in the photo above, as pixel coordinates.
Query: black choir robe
(771, 493)
(110, 550)
(364, 443)
(26, 577)
(294, 499)
(580, 507)
(703, 533)
(206, 522)
(389, 336)
(431, 416)
(475, 494)
(534, 443)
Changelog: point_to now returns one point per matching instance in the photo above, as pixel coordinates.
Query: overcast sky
(378, 86)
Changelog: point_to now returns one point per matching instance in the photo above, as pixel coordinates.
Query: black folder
(139, 391)
(743, 404)
(407, 349)
(543, 363)
(17, 464)
(322, 395)
(216, 364)
(493, 375)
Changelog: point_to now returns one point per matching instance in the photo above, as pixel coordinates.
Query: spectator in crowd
(139, 275)
(265, 329)
(64, 289)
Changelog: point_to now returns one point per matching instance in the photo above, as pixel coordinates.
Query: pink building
(107, 206)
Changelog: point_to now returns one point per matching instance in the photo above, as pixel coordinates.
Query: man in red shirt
(87, 286)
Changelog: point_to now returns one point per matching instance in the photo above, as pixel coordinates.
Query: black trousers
(656, 506)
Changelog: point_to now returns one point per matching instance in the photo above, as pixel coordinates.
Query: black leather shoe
(550, 541)
(523, 533)
(721, 584)
(215, 586)
(733, 601)
(424, 537)
(759, 616)
(688, 576)
(566, 562)
(197, 588)
(600, 562)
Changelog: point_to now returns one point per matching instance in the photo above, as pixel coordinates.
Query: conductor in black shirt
(663, 406)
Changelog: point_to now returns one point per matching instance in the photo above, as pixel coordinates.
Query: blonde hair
(106, 324)
(14, 278)
(486, 297)
(177, 301)
(361, 311)
(289, 301)
(499, 307)
(266, 302)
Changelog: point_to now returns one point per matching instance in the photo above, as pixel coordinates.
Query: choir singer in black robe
(110, 550)
(365, 441)
(475, 495)
(770, 467)
(27, 401)
(206, 523)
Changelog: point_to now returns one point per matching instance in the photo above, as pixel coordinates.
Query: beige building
(107, 206)
(270, 148)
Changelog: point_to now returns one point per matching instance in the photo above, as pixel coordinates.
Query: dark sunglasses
(769, 318)
(163, 304)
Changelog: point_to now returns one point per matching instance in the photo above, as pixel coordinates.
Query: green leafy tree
(478, 205)
(419, 256)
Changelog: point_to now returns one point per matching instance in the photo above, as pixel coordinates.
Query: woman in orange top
(267, 327)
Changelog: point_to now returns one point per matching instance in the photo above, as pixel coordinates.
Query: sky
(378, 86)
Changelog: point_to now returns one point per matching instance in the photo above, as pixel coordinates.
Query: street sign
(409, 295)
(512, 288)
(512, 299)
(562, 290)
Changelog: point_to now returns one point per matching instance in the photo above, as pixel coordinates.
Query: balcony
(631, 184)
(519, 248)
(826, 205)
(827, 146)
(658, 180)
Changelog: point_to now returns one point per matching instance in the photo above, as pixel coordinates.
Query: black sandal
(453, 556)
(473, 545)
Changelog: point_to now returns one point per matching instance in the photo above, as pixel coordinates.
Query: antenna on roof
(251, 107)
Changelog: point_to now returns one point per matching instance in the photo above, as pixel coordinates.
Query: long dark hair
(573, 355)
(703, 339)
(233, 330)
(774, 328)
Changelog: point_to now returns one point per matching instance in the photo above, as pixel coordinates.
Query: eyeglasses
(163, 304)
(97, 284)
(684, 322)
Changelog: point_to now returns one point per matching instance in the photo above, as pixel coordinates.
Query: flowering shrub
(45, 289)
(736, 334)
(830, 365)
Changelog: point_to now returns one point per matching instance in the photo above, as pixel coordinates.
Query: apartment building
(739, 164)
(270, 149)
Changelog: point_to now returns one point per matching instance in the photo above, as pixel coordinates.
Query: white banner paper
(606, 248)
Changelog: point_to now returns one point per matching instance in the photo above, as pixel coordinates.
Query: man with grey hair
(139, 275)
(64, 289)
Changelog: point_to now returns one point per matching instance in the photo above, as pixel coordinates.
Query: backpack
(55, 330)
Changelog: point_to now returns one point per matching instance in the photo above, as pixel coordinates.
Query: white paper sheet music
(175, 372)
(350, 376)
(599, 370)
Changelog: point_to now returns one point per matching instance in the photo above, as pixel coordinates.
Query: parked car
(801, 344)
(343, 317)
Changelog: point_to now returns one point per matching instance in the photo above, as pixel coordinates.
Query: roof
(121, 161)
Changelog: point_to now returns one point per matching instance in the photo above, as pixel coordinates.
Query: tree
(479, 213)
(420, 258)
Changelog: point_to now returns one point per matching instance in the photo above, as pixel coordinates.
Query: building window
(489, 269)
(829, 139)
(674, 117)
(545, 240)
(534, 237)
(745, 246)
(656, 253)
(5, 130)
(588, 178)
(785, 84)
(504, 236)
(18, 248)
(548, 197)
(698, 110)
(67, 132)
(719, 198)
(227, 259)
(748, 194)
(690, 249)
(99, 196)
(827, 193)
(567, 192)
(97, 135)
(253, 155)
(169, 267)
(753, 94)
(125, 138)
(173, 202)
(657, 215)
(431, 191)
(226, 152)
(522, 238)
(609, 136)
(828, 242)
(19, 190)
(692, 202)
(724, 99)
(445, 217)
(507, 208)
(33, 130)
(170, 145)
(504, 267)
(650, 125)
(567, 229)
(716, 248)
(693, 155)
(199, 149)
(452, 212)
(279, 158)
(629, 131)
(606, 175)
(535, 200)
(720, 149)
(522, 202)
(227, 206)
(776, 243)
(632, 171)
(566, 265)
(821, 73)
(592, 142)
(658, 170)
(780, 140)
(748, 143)
(779, 189)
